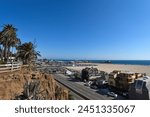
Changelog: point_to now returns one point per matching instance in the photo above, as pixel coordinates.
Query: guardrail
(10, 67)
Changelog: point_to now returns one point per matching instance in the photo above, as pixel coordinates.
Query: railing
(10, 67)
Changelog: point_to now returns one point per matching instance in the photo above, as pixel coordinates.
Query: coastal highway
(73, 95)
(83, 91)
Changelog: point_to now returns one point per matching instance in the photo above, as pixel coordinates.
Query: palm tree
(8, 39)
(27, 52)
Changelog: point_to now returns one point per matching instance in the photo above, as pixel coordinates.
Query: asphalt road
(73, 94)
(86, 92)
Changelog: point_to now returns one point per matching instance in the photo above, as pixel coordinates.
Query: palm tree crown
(27, 53)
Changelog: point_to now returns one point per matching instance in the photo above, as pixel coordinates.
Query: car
(88, 83)
(93, 86)
(125, 95)
(112, 94)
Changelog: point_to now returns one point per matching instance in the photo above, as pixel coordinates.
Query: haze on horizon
(82, 29)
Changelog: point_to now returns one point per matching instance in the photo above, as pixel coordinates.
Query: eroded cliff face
(30, 85)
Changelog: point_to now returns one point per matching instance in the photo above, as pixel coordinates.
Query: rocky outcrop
(30, 85)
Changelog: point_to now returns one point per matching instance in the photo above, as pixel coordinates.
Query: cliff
(30, 85)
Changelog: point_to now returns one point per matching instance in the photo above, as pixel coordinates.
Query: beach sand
(110, 67)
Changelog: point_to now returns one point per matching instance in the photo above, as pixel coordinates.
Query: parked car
(93, 86)
(112, 94)
(88, 83)
(125, 95)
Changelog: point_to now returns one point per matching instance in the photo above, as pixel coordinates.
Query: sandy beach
(110, 67)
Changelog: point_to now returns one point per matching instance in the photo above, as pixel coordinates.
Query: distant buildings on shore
(63, 63)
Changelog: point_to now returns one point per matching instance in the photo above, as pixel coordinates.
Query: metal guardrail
(9, 67)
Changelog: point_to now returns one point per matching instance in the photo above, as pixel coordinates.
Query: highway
(72, 93)
(79, 89)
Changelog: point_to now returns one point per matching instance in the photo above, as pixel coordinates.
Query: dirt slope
(17, 84)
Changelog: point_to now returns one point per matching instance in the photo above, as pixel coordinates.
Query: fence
(10, 67)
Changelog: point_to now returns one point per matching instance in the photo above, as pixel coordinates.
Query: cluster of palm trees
(9, 40)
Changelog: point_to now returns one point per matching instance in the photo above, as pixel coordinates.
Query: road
(77, 87)
(73, 94)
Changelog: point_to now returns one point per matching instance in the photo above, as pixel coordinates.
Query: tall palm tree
(27, 52)
(8, 37)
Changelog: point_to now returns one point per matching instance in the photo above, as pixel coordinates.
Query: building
(89, 73)
(140, 89)
(124, 79)
(112, 78)
(138, 75)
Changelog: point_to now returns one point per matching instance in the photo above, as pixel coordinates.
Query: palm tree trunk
(8, 54)
(1, 51)
(2, 54)
(12, 53)
(5, 53)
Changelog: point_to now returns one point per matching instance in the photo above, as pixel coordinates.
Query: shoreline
(110, 67)
(115, 64)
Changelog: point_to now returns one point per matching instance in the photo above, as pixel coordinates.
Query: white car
(112, 94)
(88, 83)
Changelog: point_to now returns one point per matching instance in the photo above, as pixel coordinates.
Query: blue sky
(82, 29)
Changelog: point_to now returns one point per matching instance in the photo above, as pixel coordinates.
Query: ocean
(129, 62)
